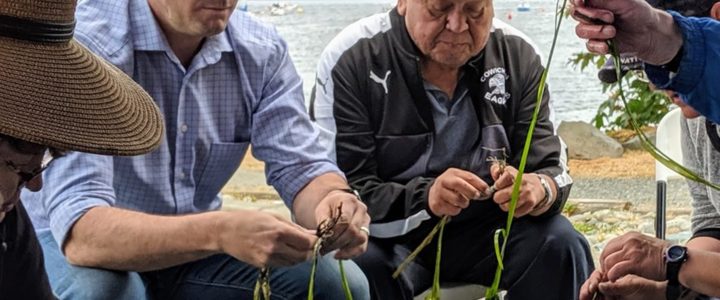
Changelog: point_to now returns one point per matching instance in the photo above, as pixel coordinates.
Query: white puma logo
(322, 84)
(382, 81)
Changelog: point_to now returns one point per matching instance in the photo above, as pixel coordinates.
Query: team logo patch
(496, 78)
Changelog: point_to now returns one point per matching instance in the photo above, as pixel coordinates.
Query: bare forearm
(119, 239)
(306, 201)
(697, 272)
(701, 272)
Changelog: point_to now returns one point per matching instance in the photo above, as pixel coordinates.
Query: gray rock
(587, 142)
(635, 144)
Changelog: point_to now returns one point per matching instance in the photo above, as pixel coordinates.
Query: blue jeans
(215, 277)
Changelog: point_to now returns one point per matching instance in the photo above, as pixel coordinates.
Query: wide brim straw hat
(55, 92)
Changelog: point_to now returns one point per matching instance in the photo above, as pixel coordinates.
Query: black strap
(712, 133)
(27, 30)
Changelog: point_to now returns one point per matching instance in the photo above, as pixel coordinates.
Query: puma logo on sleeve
(322, 84)
(380, 81)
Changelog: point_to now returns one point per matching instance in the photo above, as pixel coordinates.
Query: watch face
(675, 253)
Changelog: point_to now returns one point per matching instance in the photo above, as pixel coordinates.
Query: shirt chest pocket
(222, 161)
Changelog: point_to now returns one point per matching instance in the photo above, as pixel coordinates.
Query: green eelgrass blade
(256, 291)
(435, 292)
(492, 292)
(345, 285)
(496, 242)
(647, 145)
(311, 284)
(419, 248)
(262, 285)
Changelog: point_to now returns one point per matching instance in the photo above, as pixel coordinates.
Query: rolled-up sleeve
(72, 185)
(697, 76)
(282, 134)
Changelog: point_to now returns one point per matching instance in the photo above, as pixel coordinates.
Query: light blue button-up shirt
(240, 89)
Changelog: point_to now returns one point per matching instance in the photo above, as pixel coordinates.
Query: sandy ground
(631, 164)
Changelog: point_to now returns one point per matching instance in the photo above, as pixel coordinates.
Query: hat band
(27, 30)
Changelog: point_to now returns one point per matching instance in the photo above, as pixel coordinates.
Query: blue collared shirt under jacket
(698, 78)
(241, 88)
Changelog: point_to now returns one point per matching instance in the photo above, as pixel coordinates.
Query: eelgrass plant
(645, 142)
(262, 285)
(325, 231)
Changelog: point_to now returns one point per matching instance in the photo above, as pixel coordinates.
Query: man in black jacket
(415, 104)
(55, 95)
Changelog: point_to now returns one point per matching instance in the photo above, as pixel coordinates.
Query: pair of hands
(635, 26)
(631, 267)
(262, 239)
(453, 190)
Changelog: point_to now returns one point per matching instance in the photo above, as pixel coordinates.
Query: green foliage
(570, 208)
(647, 105)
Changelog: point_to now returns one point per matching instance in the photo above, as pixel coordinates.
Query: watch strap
(672, 267)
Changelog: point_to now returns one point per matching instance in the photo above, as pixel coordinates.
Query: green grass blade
(311, 284)
(345, 285)
(435, 292)
(492, 292)
(496, 243)
(419, 248)
(645, 142)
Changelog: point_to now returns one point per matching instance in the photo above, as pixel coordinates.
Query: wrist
(675, 257)
(669, 34)
(346, 190)
(218, 228)
(548, 196)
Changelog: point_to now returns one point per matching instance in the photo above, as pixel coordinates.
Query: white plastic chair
(668, 141)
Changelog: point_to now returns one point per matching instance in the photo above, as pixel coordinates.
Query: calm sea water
(576, 94)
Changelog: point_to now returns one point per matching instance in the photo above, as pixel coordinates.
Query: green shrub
(648, 105)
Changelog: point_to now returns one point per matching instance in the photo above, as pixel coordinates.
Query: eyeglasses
(25, 177)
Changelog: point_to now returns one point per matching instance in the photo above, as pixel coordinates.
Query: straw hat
(55, 92)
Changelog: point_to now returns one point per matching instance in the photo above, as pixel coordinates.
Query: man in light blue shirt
(223, 81)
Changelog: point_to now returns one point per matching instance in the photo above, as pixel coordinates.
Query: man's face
(448, 32)
(18, 162)
(197, 18)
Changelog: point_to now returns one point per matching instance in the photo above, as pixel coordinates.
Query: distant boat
(284, 8)
(523, 7)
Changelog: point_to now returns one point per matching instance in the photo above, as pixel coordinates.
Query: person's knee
(561, 236)
(89, 283)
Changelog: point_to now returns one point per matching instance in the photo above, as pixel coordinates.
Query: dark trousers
(545, 258)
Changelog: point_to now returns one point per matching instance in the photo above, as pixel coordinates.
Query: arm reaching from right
(635, 26)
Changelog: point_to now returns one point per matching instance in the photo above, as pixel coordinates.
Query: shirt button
(184, 128)
(182, 175)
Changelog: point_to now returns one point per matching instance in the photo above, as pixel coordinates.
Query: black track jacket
(371, 106)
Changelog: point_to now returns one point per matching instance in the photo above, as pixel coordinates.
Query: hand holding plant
(452, 191)
(346, 235)
(327, 230)
(531, 191)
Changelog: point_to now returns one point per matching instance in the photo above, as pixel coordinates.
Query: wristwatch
(548, 192)
(675, 256)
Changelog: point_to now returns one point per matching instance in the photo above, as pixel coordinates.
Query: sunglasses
(48, 157)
